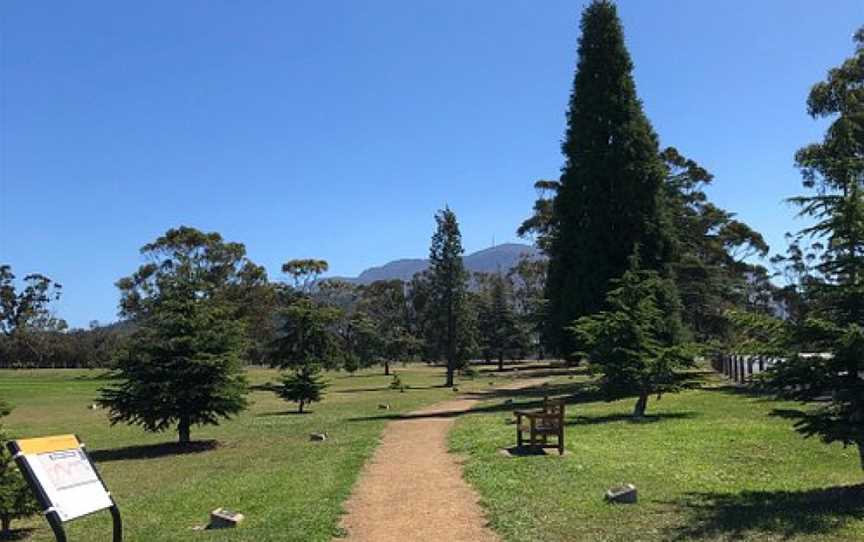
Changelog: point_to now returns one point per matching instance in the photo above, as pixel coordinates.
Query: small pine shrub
(469, 372)
(396, 383)
(303, 387)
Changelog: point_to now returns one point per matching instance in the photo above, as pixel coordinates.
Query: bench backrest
(556, 407)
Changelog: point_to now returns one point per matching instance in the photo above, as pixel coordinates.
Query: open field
(264, 464)
(710, 464)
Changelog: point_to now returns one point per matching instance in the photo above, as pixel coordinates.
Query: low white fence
(741, 368)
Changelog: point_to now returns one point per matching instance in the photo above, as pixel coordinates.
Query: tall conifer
(609, 198)
(447, 306)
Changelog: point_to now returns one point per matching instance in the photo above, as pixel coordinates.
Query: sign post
(64, 481)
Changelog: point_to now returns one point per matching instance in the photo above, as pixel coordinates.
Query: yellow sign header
(48, 444)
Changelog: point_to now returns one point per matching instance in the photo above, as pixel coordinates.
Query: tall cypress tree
(447, 307)
(609, 198)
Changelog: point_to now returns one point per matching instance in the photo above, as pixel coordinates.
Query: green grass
(710, 464)
(264, 465)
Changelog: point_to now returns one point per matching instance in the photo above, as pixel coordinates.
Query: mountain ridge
(488, 260)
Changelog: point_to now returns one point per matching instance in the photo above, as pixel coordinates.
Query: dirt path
(412, 489)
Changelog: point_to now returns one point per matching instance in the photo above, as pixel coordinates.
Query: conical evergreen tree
(447, 308)
(609, 198)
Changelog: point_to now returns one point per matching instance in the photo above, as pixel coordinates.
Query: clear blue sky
(334, 129)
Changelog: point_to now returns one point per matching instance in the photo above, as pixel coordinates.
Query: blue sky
(335, 129)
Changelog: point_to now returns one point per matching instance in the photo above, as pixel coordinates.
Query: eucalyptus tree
(26, 317)
(307, 337)
(305, 272)
(528, 280)
(386, 305)
(711, 268)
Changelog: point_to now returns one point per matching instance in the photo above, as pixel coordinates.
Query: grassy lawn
(264, 464)
(710, 464)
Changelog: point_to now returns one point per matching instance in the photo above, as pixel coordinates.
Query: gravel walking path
(412, 489)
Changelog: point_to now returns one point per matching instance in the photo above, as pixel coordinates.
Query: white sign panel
(67, 478)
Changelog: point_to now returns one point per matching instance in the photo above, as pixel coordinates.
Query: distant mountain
(490, 260)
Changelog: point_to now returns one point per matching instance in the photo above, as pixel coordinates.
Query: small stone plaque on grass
(222, 518)
(624, 494)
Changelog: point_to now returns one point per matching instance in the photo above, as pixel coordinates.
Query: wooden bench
(540, 425)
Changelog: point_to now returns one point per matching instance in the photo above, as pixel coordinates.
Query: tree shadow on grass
(388, 388)
(153, 451)
(516, 399)
(533, 372)
(269, 386)
(647, 419)
(362, 390)
(357, 376)
(293, 412)
(17, 534)
(742, 390)
(749, 514)
(570, 392)
(104, 375)
(528, 398)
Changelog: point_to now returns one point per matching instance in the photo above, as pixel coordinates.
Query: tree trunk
(183, 429)
(5, 525)
(861, 453)
(641, 405)
(451, 339)
(501, 360)
(300, 408)
(386, 368)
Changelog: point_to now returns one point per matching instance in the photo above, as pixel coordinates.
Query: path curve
(412, 489)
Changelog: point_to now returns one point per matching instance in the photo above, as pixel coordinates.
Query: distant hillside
(489, 260)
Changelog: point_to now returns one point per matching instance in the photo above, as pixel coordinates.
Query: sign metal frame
(48, 508)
